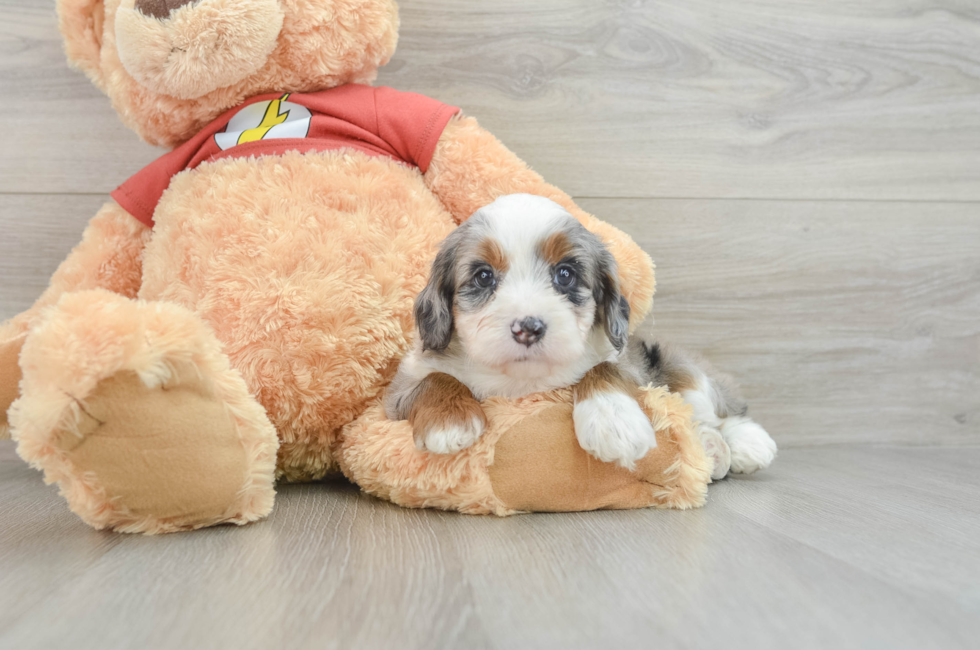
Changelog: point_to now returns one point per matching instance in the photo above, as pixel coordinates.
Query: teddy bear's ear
(81, 25)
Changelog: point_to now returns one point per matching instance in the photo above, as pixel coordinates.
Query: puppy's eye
(484, 279)
(565, 276)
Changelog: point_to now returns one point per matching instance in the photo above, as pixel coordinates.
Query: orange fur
(10, 376)
(313, 301)
(441, 401)
(198, 47)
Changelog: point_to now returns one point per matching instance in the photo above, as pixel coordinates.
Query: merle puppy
(522, 298)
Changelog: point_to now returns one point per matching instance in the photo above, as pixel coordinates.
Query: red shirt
(376, 121)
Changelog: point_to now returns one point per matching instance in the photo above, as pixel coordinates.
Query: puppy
(521, 299)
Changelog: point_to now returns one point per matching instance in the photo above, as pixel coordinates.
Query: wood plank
(680, 98)
(899, 491)
(41, 536)
(831, 547)
(696, 98)
(843, 322)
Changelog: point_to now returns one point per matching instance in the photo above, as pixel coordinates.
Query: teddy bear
(232, 316)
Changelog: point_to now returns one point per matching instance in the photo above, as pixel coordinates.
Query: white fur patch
(751, 446)
(613, 428)
(704, 408)
(453, 438)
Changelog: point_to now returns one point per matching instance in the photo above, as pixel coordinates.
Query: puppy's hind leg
(730, 438)
(752, 447)
(709, 425)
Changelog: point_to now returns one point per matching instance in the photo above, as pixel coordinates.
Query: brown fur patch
(604, 378)
(441, 401)
(490, 252)
(679, 379)
(555, 248)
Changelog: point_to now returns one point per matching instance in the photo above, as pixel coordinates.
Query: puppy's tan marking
(442, 401)
(604, 378)
(490, 252)
(679, 379)
(555, 248)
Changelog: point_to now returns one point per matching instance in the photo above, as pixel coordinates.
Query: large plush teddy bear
(232, 317)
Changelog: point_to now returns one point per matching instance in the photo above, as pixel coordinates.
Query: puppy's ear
(613, 310)
(434, 306)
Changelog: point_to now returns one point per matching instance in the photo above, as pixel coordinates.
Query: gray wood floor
(806, 176)
(856, 547)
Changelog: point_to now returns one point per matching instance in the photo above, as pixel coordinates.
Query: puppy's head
(525, 289)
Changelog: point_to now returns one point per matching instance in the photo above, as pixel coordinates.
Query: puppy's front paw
(450, 437)
(752, 447)
(612, 427)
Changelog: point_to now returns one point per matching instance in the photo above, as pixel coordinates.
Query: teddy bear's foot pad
(539, 467)
(135, 412)
(169, 453)
(9, 377)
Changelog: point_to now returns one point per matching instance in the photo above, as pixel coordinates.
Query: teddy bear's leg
(108, 257)
(133, 409)
(9, 377)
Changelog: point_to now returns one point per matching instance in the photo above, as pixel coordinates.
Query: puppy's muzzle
(528, 331)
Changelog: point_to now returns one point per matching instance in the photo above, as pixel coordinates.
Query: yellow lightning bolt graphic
(271, 118)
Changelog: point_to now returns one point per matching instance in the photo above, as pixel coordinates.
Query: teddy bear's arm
(108, 257)
(471, 168)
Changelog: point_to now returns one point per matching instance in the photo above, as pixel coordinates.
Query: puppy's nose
(528, 331)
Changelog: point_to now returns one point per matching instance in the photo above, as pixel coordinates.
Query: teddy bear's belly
(306, 266)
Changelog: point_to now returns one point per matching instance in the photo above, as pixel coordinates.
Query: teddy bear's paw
(613, 428)
(717, 450)
(9, 377)
(450, 438)
(751, 446)
(133, 409)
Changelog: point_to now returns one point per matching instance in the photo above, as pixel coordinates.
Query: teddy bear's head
(172, 66)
